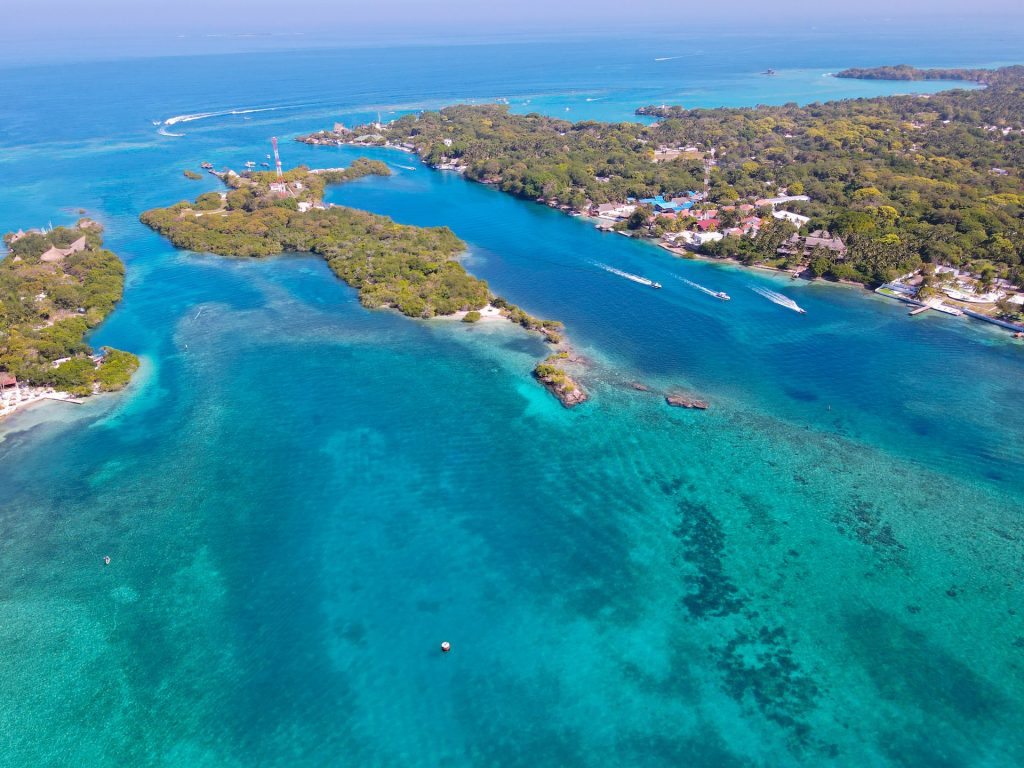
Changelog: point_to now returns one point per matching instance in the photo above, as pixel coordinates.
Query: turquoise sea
(302, 498)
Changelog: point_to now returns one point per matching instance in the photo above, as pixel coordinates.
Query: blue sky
(134, 27)
(264, 16)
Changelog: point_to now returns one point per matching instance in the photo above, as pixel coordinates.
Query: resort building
(615, 210)
(57, 254)
(661, 205)
(751, 225)
(773, 201)
(695, 239)
(800, 246)
(792, 218)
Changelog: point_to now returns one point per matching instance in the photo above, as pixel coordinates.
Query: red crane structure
(277, 158)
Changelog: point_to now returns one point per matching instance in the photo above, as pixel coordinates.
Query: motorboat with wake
(628, 275)
(722, 295)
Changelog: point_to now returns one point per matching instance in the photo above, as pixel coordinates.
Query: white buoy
(446, 646)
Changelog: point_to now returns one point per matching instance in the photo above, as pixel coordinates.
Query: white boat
(628, 275)
(782, 301)
(716, 294)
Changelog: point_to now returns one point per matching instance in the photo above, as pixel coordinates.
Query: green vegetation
(901, 179)
(253, 190)
(116, 369)
(48, 307)
(554, 375)
(535, 156)
(551, 329)
(558, 382)
(192, 175)
(904, 180)
(410, 268)
(907, 72)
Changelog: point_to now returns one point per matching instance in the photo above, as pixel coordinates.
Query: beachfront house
(694, 239)
(662, 205)
(805, 246)
(615, 211)
(7, 380)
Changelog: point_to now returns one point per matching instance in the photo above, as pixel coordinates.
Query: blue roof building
(661, 205)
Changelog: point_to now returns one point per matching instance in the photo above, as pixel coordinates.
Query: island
(414, 270)
(558, 382)
(55, 286)
(869, 191)
(907, 72)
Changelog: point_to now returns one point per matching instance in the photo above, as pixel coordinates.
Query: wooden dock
(75, 401)
(919, 310)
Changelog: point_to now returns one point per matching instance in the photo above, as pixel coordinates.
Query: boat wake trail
(667, 58)
(778, 298)
(177, 119)
(627, 275)
(717, 294)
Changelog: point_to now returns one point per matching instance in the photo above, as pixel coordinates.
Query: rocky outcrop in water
(686, 401)
(558, 382)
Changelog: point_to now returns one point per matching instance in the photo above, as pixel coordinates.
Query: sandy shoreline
(488, 314)
(19, 398)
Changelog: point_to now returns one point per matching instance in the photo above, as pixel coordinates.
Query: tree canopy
(901, 178)
(410, 268)
(48, 307)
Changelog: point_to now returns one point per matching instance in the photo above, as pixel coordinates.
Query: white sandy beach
(20, 397)
(487, 314)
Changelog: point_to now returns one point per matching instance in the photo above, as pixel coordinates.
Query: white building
(792, 218)
(783, 199)
(614, 211)
(697, 238)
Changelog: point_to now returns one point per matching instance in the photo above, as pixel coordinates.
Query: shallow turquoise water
(302, 498)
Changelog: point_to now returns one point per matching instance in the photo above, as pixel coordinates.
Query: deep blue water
(302, 498)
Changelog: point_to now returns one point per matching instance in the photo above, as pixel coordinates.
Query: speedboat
(722, 295)
(655, 285)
